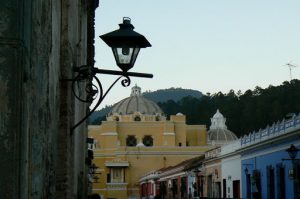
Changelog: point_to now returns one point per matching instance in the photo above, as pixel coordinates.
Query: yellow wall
(196, 135)
(111, 138)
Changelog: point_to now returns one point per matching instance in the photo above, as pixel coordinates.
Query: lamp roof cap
(125, 36)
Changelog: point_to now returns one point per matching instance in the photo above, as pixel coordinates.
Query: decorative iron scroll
(85, 75)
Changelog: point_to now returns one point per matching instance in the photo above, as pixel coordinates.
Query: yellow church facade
(137, 138)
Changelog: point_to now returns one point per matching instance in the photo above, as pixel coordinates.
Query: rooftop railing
(281, 127)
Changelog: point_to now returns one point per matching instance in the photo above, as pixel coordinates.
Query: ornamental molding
(277, 129)
(116, 163)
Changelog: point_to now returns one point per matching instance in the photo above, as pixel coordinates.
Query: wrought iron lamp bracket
(93, 88)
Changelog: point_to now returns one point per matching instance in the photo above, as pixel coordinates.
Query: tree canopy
(245, 112)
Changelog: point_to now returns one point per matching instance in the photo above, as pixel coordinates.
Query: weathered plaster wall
(11, 48)
(40, 42)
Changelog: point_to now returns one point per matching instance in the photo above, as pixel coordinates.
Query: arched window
(157, 118)
(131, 140)
(148, 140)
(137, 118)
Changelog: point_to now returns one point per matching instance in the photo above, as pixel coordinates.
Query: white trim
(90, 127)
(228, 159)
(172, 171)
(212, 165)
(172, 176)
(110, 133)
(169, 133)
(116, 164)
(274, 133)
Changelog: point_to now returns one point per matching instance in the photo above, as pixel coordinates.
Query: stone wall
(40, 42)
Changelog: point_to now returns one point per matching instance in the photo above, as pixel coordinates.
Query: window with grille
(131, 140)
(148, 140)
(117, 175)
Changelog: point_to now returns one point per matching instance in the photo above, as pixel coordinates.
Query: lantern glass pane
(292, 154)
(134, 55)
(123, 55)
(292, 151)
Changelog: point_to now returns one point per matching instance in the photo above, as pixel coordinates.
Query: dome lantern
(218, 132)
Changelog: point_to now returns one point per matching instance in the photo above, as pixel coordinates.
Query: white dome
(218, 131)
(223, 135)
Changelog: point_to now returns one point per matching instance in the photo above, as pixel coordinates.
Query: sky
(206, 45)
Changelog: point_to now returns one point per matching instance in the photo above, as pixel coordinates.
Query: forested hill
(174, 94)
(162, 95)
(245, 112)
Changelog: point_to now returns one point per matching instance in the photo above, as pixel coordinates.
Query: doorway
(236, 188)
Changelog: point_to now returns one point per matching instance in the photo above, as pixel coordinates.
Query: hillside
(245, 112)
(174, 94)
(162, 95)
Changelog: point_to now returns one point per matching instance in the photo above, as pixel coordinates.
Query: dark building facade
(40, 42)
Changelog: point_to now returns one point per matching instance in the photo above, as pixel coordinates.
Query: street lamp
(93, 169)
(93, 174)
(125, 44)
(292, 151)
(246, 171)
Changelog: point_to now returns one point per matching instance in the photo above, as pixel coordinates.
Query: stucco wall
(40, 42)
(272, 156)
(231, 171)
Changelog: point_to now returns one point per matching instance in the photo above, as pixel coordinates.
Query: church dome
(221, 135)
(136, 103)
(218, 132)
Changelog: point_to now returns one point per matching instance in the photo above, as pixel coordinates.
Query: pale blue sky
(207, 45)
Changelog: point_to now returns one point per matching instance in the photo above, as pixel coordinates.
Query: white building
(231, 170)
